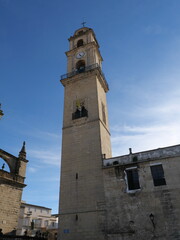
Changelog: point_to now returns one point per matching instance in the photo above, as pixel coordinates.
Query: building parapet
(24, 204)
(159, 153)
(11, 178)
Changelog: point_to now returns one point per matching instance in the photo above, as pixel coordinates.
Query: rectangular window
(103, 113)
(37, 222)
(132, 179)
(26, 222)
(46, 223)
(158, 175)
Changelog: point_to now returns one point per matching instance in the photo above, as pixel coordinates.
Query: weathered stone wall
(128, 213)
(22, 169)
(82, 193)
(85, 140)
(11, 186)
(10, 198)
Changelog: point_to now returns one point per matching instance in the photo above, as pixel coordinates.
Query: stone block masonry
(11, 187)
(10, 197)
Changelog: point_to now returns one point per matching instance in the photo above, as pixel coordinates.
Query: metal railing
(85, 69)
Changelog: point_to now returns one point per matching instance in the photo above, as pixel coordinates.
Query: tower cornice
(79, 77)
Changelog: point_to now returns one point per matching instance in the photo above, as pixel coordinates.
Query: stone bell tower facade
(85, 142)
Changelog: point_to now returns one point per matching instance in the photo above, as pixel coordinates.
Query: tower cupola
(83, 50)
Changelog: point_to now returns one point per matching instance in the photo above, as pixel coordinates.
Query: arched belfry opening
(80, 109)
(80, 65)
(80, 43)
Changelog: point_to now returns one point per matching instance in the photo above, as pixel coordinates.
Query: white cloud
(44, 135)
(49, 135)
(32, 169)
(152, 125)
(145, 136)
(50, 157)
(139, 130)
(48, 179)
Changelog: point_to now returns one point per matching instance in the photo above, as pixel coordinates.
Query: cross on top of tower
(83, 23)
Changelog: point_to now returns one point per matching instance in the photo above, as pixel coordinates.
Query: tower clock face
(80, 55)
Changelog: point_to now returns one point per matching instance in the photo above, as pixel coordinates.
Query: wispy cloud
(47, 179)
(137, 130)
(32, 169)
(44, 135)
(145, 137)
(49, 135)
(50, 157)
(152, 124)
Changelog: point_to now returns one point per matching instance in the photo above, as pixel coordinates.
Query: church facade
(102, 197)
(12, 183)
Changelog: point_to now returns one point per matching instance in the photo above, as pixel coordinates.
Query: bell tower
(85, 140)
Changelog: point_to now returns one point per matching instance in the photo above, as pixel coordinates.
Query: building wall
(40, 216)
(85, 139)
(95, 202)
(11, 187)
(10, 198)
(82, 192)
(82, 212)
(128, 212)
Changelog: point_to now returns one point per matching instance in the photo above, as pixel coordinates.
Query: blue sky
(140, 44)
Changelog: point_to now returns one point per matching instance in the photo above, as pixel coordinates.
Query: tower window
(158, 175)
(103, 113)
(80, 43)
(80, 111)
(80, 32)
(132, 179)
(80, 66)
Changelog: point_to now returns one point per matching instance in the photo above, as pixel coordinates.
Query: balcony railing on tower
(84, 69)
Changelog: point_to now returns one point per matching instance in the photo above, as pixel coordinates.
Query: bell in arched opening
(80, 43)
(80, 66)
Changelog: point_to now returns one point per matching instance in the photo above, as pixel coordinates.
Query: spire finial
(83, 23)
(22, 153)
(23, 149)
